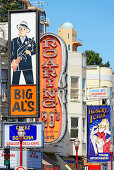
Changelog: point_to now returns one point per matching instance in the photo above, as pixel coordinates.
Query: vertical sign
(99, 133)
(24, 63)
(53, 65)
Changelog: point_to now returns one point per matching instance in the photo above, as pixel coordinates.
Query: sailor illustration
(22, 49)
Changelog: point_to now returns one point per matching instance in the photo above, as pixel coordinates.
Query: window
(113, 134)
(68, 47)
(41, 28)
(104, 101)
(83, 88)
(4, 79)
(84, 140)
(22, 5)
(83, 83)
(42, 16)
(68, 35)
(74, 127)
(75, 37)
(74, 87)
(113, 101)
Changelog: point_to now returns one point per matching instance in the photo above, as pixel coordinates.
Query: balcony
(77, 42)
(47, 22)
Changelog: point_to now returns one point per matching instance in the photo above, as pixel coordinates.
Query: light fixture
(21, 131)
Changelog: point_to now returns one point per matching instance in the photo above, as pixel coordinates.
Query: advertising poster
(24, 63)
(31, 159)
(98, 133)
(13, 159)
(53, 86)
(99, 93)
(33, 138)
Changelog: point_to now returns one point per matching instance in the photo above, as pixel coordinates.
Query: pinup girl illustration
(100, 137)
(22, 50)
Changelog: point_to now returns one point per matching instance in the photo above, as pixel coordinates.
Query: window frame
(84, 130)
(4, 80)
(74, 128)
(74, 88)
(68, 35)
(68, 47)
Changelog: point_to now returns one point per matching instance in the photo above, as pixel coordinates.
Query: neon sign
(53, 64)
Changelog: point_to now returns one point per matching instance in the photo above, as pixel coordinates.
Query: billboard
(98, 133)
(31, 159)
(33, 138)
(99, 93)
(13, 159)
(53, 86)
(24, 63)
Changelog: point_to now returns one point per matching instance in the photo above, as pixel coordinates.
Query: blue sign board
(98, 133)
(34, 160)
(30, 132)
(33, 134)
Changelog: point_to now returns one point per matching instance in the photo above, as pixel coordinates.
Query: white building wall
(76, 108)
(4, 30)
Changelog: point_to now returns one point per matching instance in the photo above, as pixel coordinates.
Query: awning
(49, 163)
(55, 162)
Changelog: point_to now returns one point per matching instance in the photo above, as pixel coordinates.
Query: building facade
(25, 4)
(99, 92)
(98, 77)
(70, 36)
(76, 97)
(113, 106)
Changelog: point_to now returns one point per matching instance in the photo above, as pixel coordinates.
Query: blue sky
(92, 19)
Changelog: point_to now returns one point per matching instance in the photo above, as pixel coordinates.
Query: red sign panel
(94, 167)
(20, 168)
(53, 82)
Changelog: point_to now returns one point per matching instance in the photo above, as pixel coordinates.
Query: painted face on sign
(23, 31)
(104, 124)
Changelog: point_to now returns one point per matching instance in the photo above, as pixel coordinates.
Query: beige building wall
(69, 35)
(98, 77)
(76, 107)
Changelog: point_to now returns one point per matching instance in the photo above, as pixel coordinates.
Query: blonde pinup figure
(98, 138)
